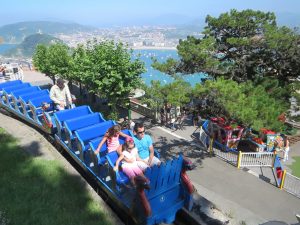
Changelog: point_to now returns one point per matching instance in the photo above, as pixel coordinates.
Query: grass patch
(36, 191)
(295, 167)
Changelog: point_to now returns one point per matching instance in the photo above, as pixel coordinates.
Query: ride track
(170, 191)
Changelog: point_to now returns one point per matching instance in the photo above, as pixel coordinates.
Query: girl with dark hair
(111, 138)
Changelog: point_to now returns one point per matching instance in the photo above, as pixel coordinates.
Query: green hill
(16, 33)
(27, 47)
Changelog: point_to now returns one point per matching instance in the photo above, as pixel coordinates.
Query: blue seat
(165, 180)
(24, 98)
(100, 158)
(61, 116)
(118, 176)
(80, 122)
(15, 95)
(9, 89)
(87, 134)
(6, 91)
(10, 83)
(35, 105)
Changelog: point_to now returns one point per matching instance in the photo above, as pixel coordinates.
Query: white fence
(292, 184)
(230, 157)
(261, 159)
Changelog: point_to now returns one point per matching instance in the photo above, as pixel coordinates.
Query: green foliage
(248, 104)
(176, 93)
(40, 60)
(154, 96)
(111, 72)
(105, 68)
(241, 46)
(53, 60)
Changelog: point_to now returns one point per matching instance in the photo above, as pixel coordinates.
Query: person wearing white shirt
(60, 95)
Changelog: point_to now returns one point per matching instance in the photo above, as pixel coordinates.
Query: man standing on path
(145, 147)
(60, 95)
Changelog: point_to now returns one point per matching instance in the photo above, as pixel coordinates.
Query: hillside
(16, 33)
(27, 47)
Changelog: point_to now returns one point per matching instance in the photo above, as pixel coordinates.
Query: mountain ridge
(28, 46)
(15, 33)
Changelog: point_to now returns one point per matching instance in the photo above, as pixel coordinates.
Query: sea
(146, 56)
(162, 55)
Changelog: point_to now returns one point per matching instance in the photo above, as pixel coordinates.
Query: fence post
(239, 160)
(211, 143)
(274, 159)
(282, 180)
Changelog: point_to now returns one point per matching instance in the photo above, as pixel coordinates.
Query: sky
(121, 12)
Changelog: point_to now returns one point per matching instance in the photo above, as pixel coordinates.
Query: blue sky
(120, 12)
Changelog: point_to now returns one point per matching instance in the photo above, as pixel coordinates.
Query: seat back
(37, 102)
(164, 177)
(17, 93)
(83, 121)
(24, 99)
(61, 116)
(119, 176)
(166, 191)
(10, 83)
(9, 89)
(38, 93)
(88, 133)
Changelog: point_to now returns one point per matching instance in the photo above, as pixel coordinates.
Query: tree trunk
(70, 84)
(53, 79)
(93, 98)
(80, 88)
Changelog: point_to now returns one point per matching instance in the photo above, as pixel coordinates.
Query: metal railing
(230, 157)
(261, 159)
(291, 184)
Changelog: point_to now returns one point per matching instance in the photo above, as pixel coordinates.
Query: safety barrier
(291, 184)
(230, 157)
(139, 108)
(252, 159)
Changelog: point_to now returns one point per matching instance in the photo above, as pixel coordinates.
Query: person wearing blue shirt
(144, 144)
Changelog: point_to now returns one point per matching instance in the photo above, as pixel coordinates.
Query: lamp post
(136, 93)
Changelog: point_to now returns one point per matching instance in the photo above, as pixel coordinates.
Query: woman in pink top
(112, 140)
(130, 157)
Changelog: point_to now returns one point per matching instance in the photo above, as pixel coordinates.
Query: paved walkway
(242, 197)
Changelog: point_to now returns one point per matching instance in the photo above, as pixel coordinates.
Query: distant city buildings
(135, 37)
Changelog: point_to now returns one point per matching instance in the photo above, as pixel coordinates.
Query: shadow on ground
(37, 191)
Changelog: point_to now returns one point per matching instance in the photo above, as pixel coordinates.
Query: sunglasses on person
(141, 132)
